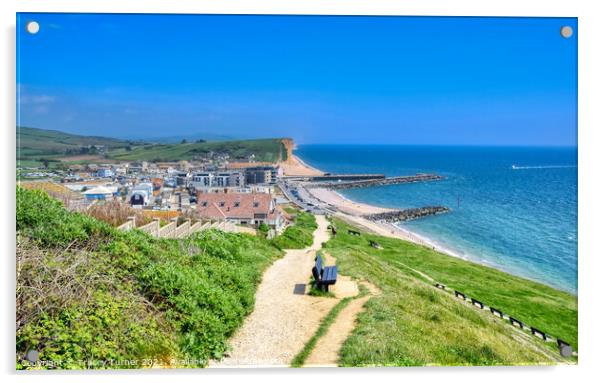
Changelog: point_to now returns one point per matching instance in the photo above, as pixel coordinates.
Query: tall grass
(116, 213)
(414, 324)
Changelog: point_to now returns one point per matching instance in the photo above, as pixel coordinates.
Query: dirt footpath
(326, 352)
(284, 318)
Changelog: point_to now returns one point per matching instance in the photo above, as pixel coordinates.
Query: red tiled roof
(234, 205)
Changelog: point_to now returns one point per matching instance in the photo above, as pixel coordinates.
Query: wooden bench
(333, 230)
(477, 303)
(538, 333)
(460, 295)
(324, 276)
(496, 312)
(516, 323)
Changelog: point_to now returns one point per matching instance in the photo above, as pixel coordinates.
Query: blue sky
(318, 79)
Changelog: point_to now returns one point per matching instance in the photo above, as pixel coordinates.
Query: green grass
(301, 357)
(299, 235)
(86, 291)
(33, 144)
(29, 164)
(265, 150)
(412, 323)
(292, 210)
(315, 291)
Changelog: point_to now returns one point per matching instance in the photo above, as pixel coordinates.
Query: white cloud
(40, 109)
(41, 99)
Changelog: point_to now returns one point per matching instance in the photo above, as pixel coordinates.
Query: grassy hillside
(413, 323)
(33, 142)
(36, 145)
(88, 293)
(298, 235)
(268, 150)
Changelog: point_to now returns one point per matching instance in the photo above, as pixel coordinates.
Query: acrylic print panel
(231, 191)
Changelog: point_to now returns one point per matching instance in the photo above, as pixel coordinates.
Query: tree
(184, 141)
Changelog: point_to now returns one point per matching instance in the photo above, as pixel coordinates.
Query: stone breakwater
(407, 214)
(421, 177)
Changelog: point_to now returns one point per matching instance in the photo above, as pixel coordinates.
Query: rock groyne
(407, 214)
(375, 182)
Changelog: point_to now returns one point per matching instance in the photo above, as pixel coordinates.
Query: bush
(88, 291)
(299, 235)
(45, 220)
(116, 213)
(263, 229)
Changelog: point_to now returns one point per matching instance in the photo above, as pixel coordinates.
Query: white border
(590, 161)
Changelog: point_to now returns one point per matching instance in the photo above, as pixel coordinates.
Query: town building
(105, 173)
(182, 178)
(261, 175)
(137, 167)
(102, 193)
(142, 194)
(201, 180)
(121, 170)
(268, 189)
(240, 208)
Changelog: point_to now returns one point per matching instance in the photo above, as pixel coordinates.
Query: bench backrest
(319, 263)
(316, 273)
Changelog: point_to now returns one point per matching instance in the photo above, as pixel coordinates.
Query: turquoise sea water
(522, 220)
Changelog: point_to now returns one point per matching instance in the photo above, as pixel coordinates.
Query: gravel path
(284, 318)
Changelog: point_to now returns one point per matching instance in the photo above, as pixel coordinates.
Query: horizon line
(450, 144)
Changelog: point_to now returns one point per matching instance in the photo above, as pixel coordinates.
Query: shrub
(77, 313)
(299, 235)
(86, 290)
(263, 229)
(45, 220)
(116, 213)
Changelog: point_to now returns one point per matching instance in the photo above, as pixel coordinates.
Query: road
(300, 197)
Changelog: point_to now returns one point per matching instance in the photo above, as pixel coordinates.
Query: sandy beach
(294, 166)
(353, 212)
(344, 204)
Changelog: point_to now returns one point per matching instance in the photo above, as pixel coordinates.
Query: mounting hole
(32, 27)
(566, 31)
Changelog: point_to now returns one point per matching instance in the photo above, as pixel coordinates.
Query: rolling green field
(32, 142)
(265, 150)
(38, 146)
(87, 292)
(412, 323)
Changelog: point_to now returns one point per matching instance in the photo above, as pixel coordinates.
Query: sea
(512, 208)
